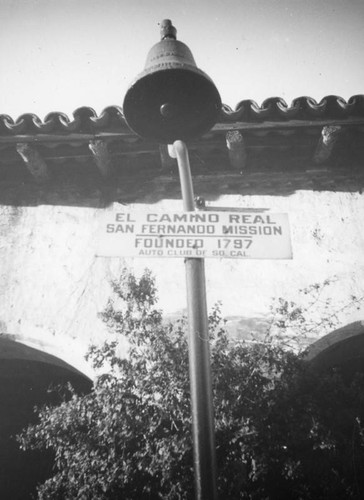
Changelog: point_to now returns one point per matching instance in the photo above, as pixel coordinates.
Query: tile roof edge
(86, 120)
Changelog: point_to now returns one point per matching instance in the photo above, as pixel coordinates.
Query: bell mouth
(172, 103)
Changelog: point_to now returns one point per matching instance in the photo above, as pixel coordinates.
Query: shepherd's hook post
(203, 431)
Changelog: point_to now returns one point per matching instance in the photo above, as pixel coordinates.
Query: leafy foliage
(282, 431)
(296, 325)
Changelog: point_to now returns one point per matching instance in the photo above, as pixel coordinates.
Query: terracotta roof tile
(85, 119)
(302, 108)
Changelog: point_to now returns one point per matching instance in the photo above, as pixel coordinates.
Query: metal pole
(199, 352)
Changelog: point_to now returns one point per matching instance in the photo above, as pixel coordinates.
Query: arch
(342, 348)
(26, 374)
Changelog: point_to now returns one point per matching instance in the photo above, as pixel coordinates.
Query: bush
(282, 430)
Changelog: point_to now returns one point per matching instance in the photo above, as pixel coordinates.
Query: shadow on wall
(75, 186)
(25, 377)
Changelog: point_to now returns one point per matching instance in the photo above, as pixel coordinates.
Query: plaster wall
(52, 286)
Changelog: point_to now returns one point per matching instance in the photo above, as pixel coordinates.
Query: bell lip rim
(186, 137)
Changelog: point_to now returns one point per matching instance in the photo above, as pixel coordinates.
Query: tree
(282, 430)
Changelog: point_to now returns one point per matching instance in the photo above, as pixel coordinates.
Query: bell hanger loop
(168, 31)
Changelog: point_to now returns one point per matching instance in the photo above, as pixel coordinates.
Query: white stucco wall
(52, 286)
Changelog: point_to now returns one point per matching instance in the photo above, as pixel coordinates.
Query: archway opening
(26, 375)
(342, 349)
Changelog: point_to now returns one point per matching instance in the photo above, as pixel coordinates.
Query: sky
(59, 55)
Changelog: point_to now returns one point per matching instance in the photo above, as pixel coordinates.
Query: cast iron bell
(171, 99)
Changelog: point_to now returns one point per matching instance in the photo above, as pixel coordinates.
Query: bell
(171, 99)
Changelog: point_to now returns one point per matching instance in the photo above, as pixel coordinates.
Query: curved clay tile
(356, 105)
(25, 124)
(245, 111)
(110, 117)
(85, 119)
(287, 112)
(335, 107)
(6, 123)
(56, 122)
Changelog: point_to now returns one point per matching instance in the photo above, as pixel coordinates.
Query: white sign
(195, 234)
